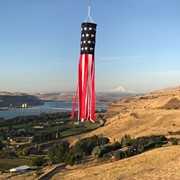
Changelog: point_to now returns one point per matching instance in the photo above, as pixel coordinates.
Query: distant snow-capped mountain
(120, 89)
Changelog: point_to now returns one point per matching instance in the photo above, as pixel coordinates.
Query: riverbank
(48, 107)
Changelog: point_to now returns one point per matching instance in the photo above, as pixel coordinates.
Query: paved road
(50, 174)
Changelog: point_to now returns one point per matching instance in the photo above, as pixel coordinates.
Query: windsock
(85, 92)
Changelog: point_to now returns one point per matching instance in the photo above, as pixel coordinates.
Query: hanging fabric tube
(85, 92)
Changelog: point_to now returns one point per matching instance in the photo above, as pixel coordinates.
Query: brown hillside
(162, 163)
(154, 113)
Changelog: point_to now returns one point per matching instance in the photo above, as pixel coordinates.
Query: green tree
(70, 159)
(106, 149)
(116, 145)
(173, 141)
(38, 161)
(85, 146)
(58, 152)
(26, 151)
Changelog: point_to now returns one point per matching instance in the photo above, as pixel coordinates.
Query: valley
(140, 116)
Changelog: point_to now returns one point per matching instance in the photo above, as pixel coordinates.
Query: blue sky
(137, 44)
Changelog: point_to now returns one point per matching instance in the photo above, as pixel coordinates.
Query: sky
(137, 44)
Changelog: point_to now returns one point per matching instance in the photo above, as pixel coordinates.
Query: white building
(20, 169)
(24, 105)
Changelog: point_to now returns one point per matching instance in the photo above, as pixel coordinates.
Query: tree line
(43, 117)
(101, 148)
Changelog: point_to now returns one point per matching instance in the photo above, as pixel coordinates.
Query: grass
(78, 129)
(6, 164)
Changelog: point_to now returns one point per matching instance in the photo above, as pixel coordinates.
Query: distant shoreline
(5, 108)
(16, 107)
(47, 107)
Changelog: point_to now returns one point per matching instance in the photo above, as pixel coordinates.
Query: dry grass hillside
(162, 163)
(154, 113)
(151, 114)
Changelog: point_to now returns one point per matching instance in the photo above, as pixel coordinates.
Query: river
(48, 107)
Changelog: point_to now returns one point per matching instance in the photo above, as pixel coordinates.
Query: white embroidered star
(84, 42)
(82, 48)
(89, 42)
(91, 48)
(92, 35)
(87, 35)
(90, 28)
(82, 35)
(85, 28)
(86, 48)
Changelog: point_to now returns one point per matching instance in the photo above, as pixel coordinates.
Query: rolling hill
(101, 97)
(162, 163)
(151, 114)
(13, 100)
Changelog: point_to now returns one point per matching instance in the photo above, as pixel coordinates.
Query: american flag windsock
(86, 74)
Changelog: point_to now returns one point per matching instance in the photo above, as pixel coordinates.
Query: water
(48, 107)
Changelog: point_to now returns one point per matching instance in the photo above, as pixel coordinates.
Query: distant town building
(24, 105)
(76, 123)
(23, 130)
(38, 127)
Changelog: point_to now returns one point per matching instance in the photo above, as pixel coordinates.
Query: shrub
(24, 152)
(116, 145)
(173, 141)
(157, 146)
(105, 157)
(96, 151)
(144, 97)
(140, 147)
(123, 154)
(126, 141)
(105, 149)
(38, 161)
(133, 114)
(118, 155)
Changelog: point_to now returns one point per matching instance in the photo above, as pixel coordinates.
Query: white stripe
(83, 64)
(83, 71)
(86, 96)
(89, 84)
